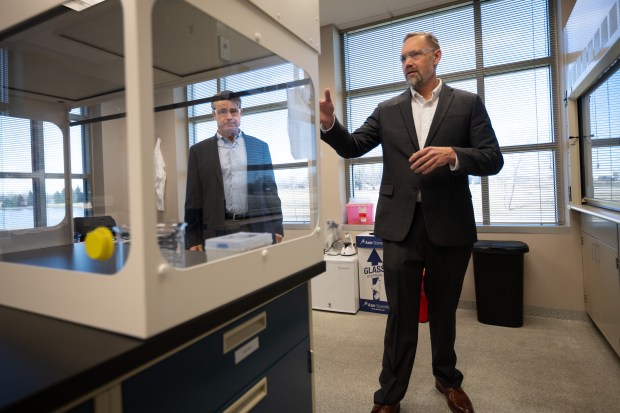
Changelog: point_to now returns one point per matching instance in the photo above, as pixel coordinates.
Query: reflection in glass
(60, 77)
(259, 175)
(63, 121)
(28, 197)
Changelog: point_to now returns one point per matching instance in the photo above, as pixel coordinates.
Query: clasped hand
(430, 158)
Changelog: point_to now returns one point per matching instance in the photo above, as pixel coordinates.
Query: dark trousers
(403, 264)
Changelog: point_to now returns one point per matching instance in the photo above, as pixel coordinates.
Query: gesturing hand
(326, 107)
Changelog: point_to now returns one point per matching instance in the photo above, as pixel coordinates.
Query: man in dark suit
(433, 137)
(231, 186)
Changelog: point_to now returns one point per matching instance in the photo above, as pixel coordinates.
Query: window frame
(478, 74)
(587, 144)
(39, 175)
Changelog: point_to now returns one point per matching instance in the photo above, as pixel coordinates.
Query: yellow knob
(100, 244)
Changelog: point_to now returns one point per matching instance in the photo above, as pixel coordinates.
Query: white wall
(170, 126)
(115, 197)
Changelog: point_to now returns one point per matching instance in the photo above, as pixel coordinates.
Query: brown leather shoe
(458, 401)
(385, 408)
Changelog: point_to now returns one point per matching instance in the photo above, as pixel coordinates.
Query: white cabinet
(337, 289)
(602, 276)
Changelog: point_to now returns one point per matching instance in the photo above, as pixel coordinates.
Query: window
(600, 142)
(32, 184)
(504, 51)
(267, 109)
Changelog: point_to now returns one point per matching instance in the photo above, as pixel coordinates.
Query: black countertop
(74, 257)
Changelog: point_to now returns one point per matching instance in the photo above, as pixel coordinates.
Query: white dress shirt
(424, 111)
(423, 114)
(234, 162)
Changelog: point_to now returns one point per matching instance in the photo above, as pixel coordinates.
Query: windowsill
(356, 228)
(499, 229)
(523, 229)
(607, 214)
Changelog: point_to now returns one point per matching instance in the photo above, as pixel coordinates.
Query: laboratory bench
(255, 350)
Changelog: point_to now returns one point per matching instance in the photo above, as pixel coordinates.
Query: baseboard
(534, 311)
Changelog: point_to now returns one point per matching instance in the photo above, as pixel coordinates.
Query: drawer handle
(250, 399)
(243, 332)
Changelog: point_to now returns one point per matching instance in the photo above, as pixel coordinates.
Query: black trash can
(498, 278)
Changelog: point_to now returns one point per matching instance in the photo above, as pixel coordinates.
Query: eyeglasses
(415, 54)
(224, 112)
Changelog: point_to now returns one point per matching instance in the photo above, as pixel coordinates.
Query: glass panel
(15, 145)
(606, 173)
(514, 31)
(513, 97)
(200, 131)
(197, 91)
(76, 134)
(239, 190)
(55, 210)
(524, 191)
(601, 146)
(16, 201)
(50, 68)
(382, 45)
(365, 180)
(362, 107)
(80, 204)
(53, 148)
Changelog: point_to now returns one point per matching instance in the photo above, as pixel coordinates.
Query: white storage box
(337, 289)
(231, 244)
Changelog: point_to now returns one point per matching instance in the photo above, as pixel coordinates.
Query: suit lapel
(405, 108)
(214, 153)
(445, 100)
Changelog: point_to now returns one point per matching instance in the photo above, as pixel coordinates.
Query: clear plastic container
(227, 245)
(171, 240)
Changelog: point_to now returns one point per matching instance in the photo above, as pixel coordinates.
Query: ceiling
(74, 57)
(345, 14)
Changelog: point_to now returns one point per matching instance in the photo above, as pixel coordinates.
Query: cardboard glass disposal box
(370, 261)
(231, 244)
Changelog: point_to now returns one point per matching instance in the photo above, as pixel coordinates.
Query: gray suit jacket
(461, 121)
(205, 203)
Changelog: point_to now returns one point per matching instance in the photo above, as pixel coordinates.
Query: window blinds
(504, 51)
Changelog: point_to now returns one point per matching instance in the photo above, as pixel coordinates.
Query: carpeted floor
(549, 365)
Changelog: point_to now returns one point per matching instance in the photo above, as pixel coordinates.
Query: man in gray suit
(433, 137)
(231, 186)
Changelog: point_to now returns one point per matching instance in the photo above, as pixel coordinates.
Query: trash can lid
(501, 247)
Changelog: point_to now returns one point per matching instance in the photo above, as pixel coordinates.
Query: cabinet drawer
(285, 387)
(601, 229)
(205, 375)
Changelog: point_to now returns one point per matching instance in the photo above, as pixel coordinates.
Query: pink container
(360, 214)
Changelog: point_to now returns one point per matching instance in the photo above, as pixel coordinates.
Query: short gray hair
(226, 95)
(430, 38)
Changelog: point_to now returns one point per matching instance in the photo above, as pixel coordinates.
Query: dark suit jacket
(205, 204)
(461, 121)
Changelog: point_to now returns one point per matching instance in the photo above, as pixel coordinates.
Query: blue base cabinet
(261, 359)
(251, 355)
